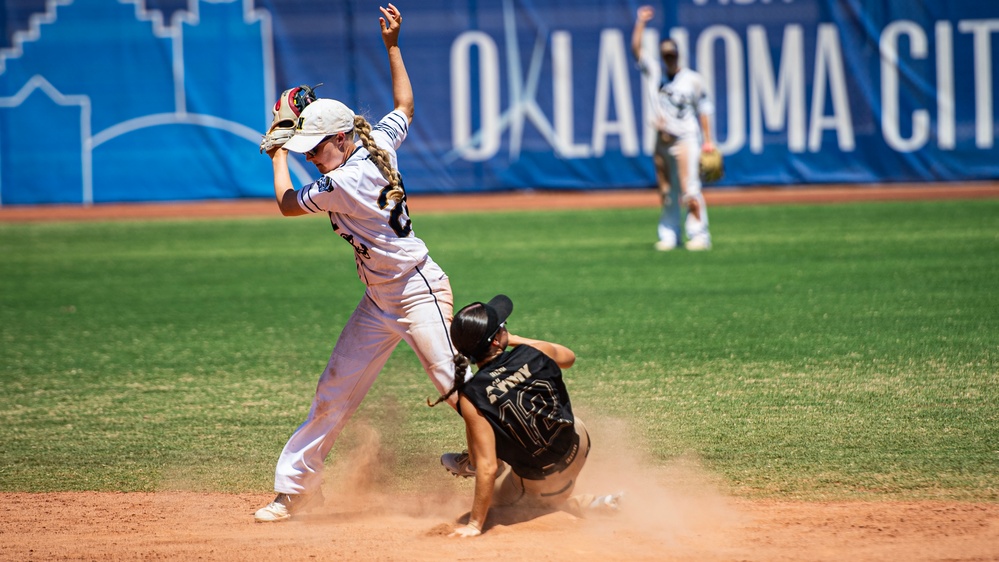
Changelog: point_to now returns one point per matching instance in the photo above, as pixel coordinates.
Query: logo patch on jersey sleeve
(325, 184)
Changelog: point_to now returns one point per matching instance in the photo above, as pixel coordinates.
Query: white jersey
(676, 103)
(354, 195)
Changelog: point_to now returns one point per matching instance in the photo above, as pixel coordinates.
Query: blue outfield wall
(144, 100)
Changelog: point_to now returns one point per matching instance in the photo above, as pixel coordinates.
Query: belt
(532, 473)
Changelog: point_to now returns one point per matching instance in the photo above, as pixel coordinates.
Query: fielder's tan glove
(712, 166)
(285, 116)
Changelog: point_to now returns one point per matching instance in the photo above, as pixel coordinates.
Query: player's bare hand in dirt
(390, 22)
(646, 13)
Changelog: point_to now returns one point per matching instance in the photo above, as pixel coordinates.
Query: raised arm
(284, 190)
(562, 355)
(645, 13)
(402, 89)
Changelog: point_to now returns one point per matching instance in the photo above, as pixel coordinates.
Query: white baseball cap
(320, 119)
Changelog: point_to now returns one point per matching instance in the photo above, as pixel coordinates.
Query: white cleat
(606, 505)
(286, 505)
(698, 245)
(665, 245)
(272, 512)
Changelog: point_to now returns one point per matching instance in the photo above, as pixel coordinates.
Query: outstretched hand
(390, 22)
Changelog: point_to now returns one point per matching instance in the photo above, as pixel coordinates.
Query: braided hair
(461, 364)
(468, 330)
(380, 158)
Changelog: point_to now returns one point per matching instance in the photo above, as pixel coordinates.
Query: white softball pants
(416, 308)
(678, 175)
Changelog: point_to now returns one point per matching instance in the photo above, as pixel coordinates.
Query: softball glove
(712, 166)
(285, 116)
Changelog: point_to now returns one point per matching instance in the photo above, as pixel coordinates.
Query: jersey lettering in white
(498, 388)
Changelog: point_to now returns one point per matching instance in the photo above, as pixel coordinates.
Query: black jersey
(522, 395)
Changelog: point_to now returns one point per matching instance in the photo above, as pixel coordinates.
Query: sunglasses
(315, 149)
(498, 328)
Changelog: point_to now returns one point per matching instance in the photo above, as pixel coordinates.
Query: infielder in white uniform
(680, 114)
(408, 296)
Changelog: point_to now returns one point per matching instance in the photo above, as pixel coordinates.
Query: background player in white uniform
(680, 114)
(408, 296)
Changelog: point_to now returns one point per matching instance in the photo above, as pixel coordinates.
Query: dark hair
(467, 332)
(461, 364)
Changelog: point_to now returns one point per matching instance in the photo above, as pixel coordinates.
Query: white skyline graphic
(152, 93)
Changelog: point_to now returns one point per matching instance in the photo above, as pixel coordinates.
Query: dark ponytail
(461, 364)
(467, 333)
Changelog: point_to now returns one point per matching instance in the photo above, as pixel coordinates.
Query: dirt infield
(675, 513)
(689, 523)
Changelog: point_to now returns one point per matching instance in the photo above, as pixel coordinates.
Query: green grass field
(838, 351)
